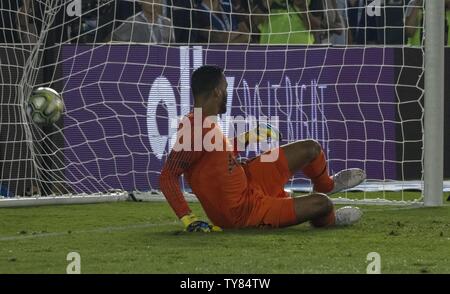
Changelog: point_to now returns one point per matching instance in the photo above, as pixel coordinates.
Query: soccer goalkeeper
(252, 194)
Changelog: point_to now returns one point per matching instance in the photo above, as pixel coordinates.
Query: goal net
(349, 77)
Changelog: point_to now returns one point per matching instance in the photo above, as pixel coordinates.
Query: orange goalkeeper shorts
(270, 205)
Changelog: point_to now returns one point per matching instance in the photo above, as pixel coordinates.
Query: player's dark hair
(205, 79)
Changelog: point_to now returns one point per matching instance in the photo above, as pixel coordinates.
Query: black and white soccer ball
(45, 106)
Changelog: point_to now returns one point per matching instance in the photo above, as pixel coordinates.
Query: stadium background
(406, 75)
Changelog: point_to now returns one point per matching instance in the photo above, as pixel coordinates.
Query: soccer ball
(45, 106)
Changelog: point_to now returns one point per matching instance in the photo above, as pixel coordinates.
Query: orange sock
(324, 221)
(317, 171)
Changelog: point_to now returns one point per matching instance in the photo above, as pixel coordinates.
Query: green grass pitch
(130, 237)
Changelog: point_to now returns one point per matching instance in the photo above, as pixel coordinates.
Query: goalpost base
(62, 200)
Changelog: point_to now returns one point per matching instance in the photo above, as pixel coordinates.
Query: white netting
(339, 72)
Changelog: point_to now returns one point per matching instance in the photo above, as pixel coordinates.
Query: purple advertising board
(121, 99)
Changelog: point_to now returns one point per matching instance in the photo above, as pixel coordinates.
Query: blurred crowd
(336, 22)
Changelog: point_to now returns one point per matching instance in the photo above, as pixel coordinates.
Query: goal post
(434, 103)
(363, 102)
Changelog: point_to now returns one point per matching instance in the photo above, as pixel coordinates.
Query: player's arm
(177, 163)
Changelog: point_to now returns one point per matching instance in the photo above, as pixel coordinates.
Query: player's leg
(276, 212)
(319, 210)
(316, 208)
(299, 154)
(270, 176)
(286, 160)
(305, 155)
(308, 156)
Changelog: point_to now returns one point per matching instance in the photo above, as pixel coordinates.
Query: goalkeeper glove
(262, 132)
(193, 224)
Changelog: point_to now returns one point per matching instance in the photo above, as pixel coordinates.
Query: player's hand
(262, 132)
(193, 224)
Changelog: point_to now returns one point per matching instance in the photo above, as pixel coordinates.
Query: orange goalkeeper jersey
(215, 176)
